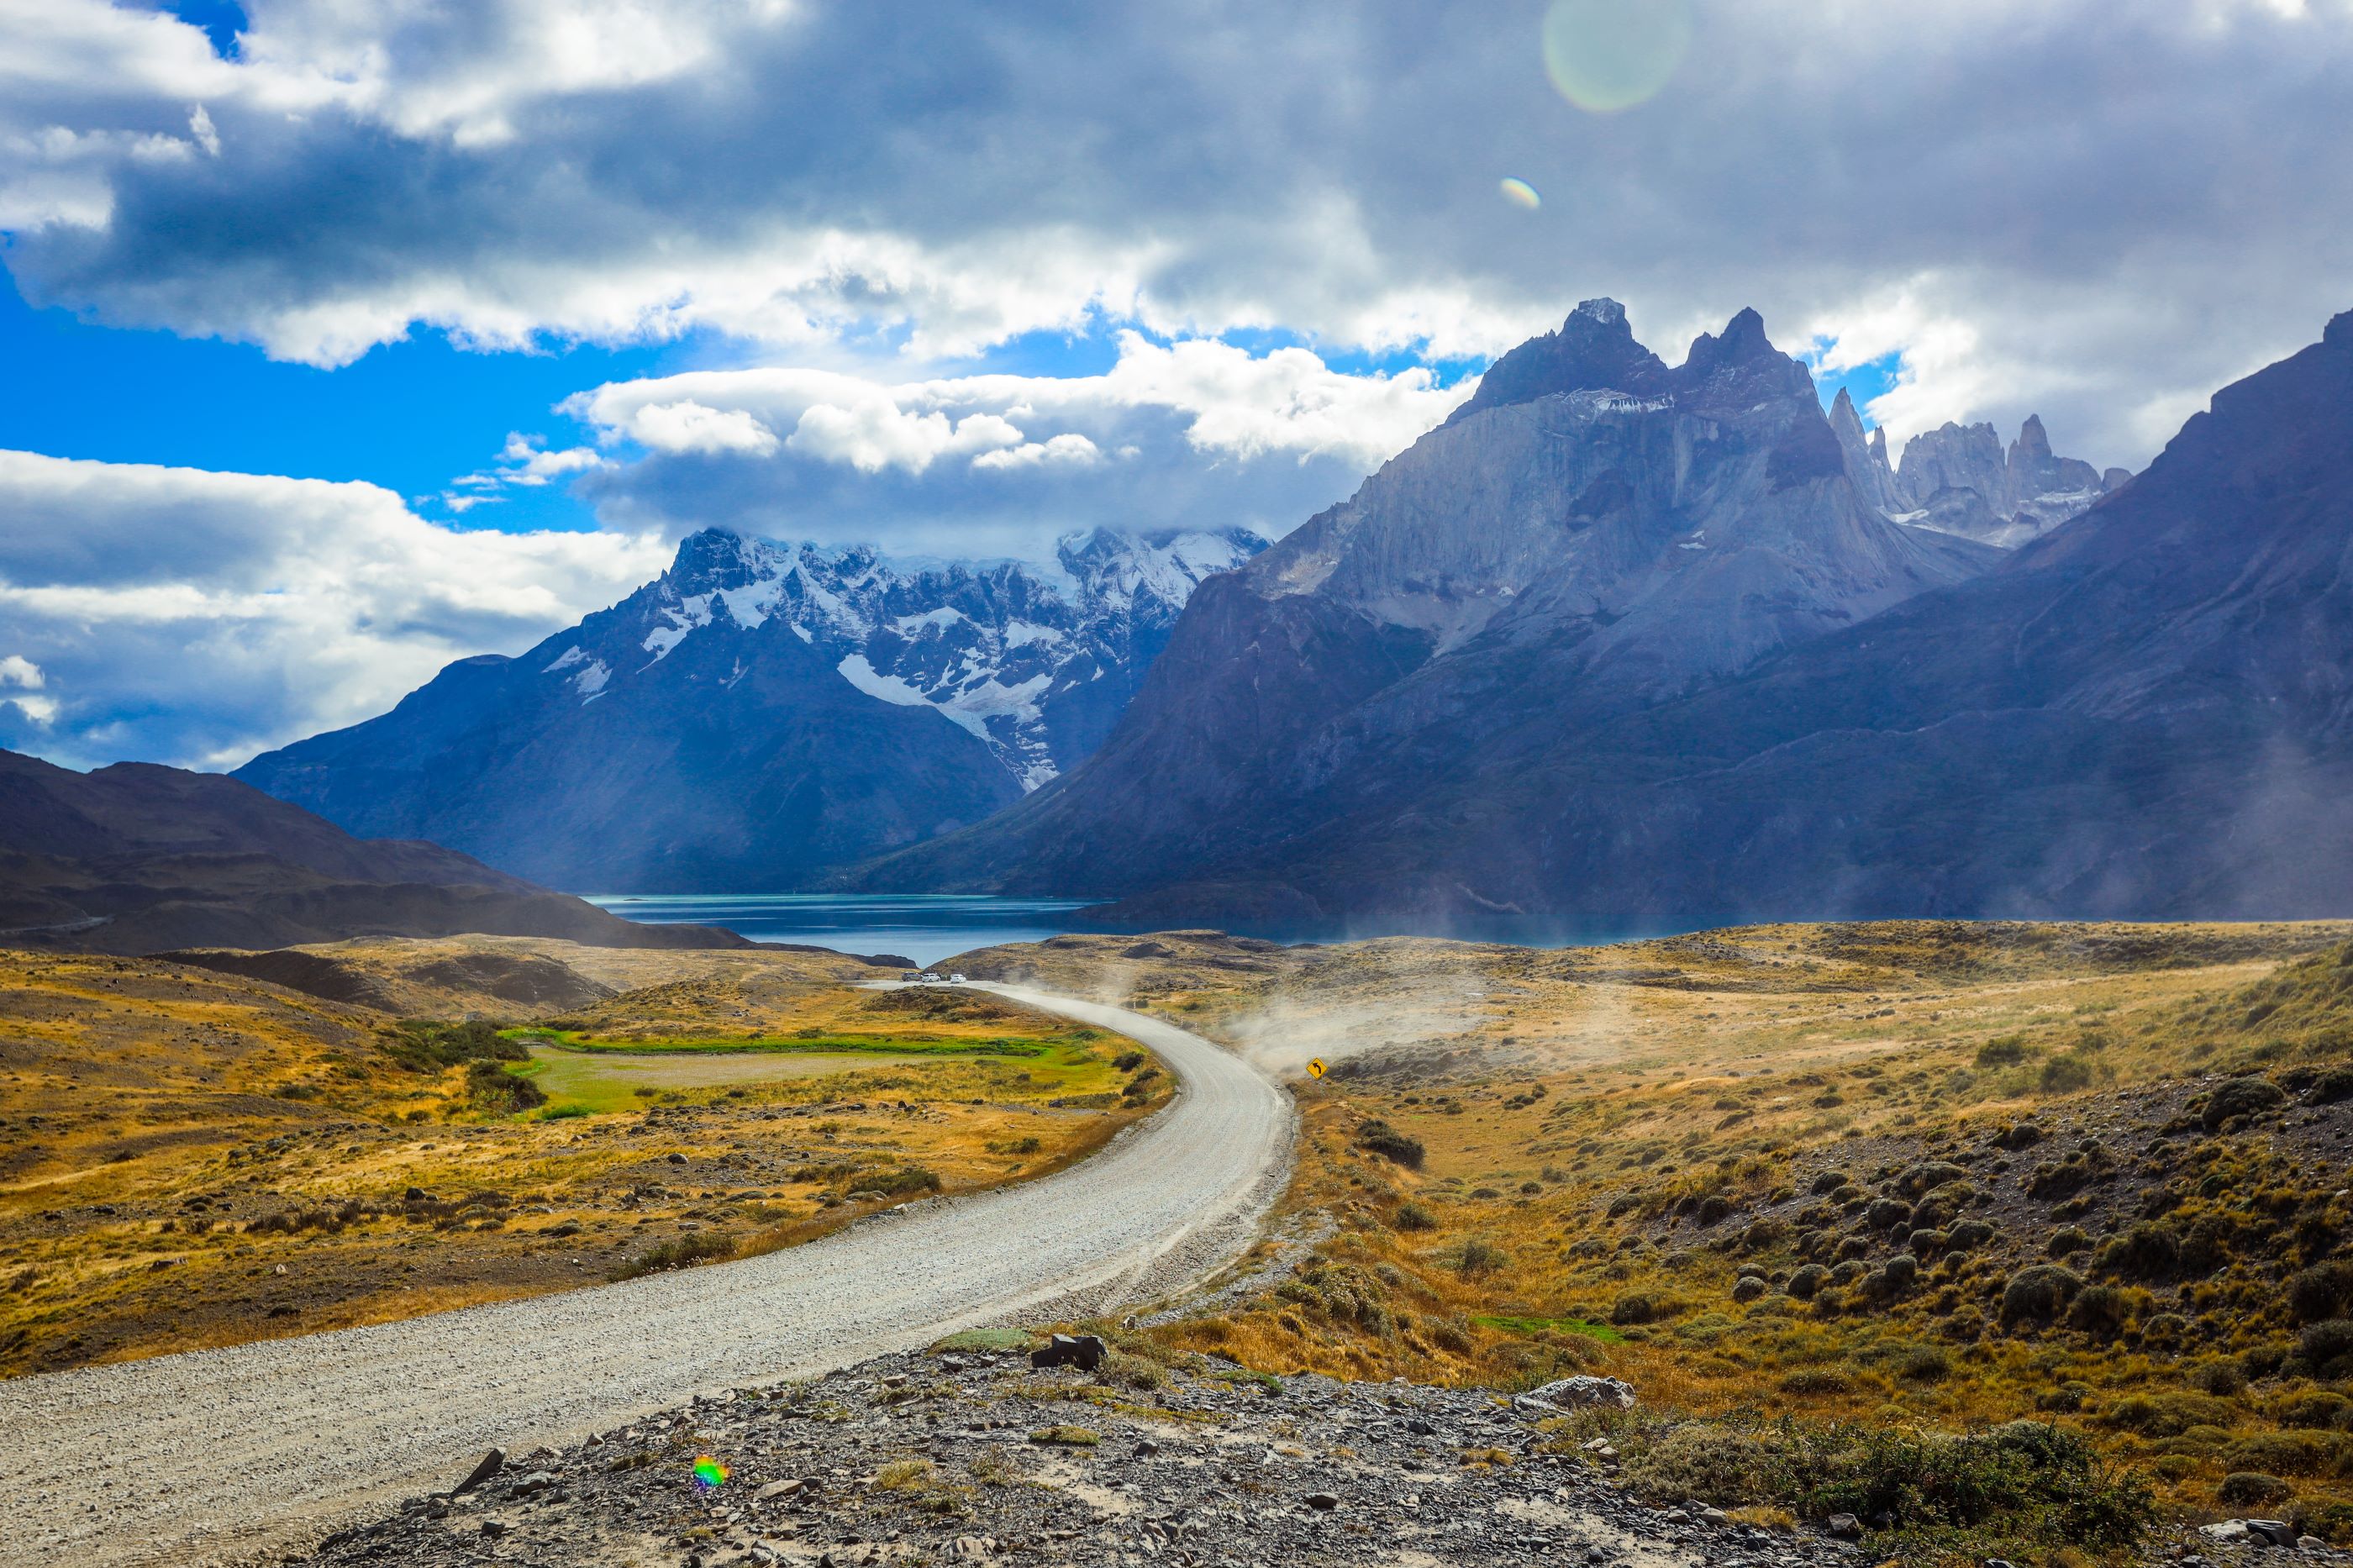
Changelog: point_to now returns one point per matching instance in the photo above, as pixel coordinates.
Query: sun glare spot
(1608, 55)
(1521, 194)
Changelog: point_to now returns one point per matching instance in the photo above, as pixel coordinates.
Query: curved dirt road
(190, 1457)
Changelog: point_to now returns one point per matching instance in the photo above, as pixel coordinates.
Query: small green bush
(2249, 1096)
(2038, 1293)
(1386, 1140)
(703, 1246)
(2249, 1488)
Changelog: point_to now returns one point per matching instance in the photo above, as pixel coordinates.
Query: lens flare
(709, 1473)
(1521, 194)
(1608, 55)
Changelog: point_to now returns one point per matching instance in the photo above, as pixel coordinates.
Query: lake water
(925, 927)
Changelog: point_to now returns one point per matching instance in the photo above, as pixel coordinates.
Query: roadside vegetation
(2012, 1241)
(190, 1157)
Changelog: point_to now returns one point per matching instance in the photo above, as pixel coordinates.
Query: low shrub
(2249, 1096)
(2038, 1293)
(1381, 1138)
(2170, 1414)
(2250, 1488)
(703, 1246)
(2025, 1489)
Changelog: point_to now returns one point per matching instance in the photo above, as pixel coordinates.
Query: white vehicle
(955, 979)
(927, 978)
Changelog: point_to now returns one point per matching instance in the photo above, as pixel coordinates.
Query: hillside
(138, 858)
(1820, 1194)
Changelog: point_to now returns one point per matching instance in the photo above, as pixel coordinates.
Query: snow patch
(859, 672)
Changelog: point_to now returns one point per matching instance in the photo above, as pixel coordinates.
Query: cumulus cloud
(1197, 431)
(932, 179)
(197, 617)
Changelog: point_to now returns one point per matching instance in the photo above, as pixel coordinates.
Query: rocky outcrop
(969, 1456)
(1865, 456)
(1957, 479)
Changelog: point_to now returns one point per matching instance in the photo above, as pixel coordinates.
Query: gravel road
(211, 1453)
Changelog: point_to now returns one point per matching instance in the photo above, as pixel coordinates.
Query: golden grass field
(1525, 1165)
(193, 1158)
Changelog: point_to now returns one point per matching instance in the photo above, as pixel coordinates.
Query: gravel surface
(207, 1455)
(965, 1458)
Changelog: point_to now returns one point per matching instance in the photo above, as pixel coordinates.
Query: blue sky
(287, 280)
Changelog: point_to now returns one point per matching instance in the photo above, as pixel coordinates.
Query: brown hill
(140, 858)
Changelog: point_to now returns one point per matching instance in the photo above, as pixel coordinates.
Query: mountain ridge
(2091, 725)
(764, 709)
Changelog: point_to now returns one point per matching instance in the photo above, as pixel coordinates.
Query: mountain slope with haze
(2147, 712)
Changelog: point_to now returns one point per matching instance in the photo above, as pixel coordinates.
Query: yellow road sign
(1315, 1068)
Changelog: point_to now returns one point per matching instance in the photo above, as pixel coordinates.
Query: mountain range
(762, 709)
(1622, 644)
(138, 858)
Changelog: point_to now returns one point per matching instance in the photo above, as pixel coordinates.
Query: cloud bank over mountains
(180, 614)
(876, 226)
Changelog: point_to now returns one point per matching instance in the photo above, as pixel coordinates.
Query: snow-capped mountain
(762, 709)
(1017, 654)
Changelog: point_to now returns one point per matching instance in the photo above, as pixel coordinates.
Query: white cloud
(20, 672)
(196, 618)
(874, 433)
(687, 426)
(930, 180)
(1068, 448)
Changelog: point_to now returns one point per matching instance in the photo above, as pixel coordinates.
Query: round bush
(2101, 1309)
(1885, 1214)
(2038, 1293)
(2149, 1250)
(1749, 1288)
(1806, 1281)
(2252, 1488)
(1635, 1308)
(2249, 1096)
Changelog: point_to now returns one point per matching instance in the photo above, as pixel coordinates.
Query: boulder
(1579, 1392)
(1081, 1350)
(492, 1463)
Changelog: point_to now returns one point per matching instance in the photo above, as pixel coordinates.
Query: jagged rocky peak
(1958, 479)
(1594, 351)
(1865, 457)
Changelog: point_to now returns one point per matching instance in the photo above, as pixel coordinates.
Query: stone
(1323, 1502)
(1081, 1350)
(2278, 1532)
(1582, 1391)
(492, 1463)
(1844, 1527)
(779, 1489)
(492, 1529)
